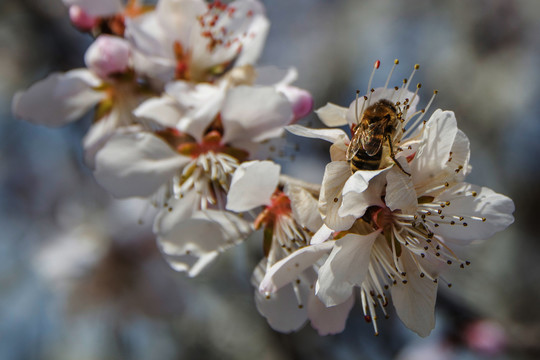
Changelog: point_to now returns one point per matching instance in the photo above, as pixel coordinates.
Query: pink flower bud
(108, 55)
(80, 18)
(300, 99)
(486, 337)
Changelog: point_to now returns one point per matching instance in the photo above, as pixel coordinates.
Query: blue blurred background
(80, 278)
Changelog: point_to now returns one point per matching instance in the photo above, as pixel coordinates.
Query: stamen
(396, 62)
(417, 121)
(375, 67)
(356, 115)
(406, 84)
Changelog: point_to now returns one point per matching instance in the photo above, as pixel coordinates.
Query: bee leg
(393, 156)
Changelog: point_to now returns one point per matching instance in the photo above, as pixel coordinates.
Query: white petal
(245, 34)
(136, 164)
(338, 150)
(433, 154)
(415, 300)
(305, 207)
(460, 155)
(191, 244)
(329, 320)
(324, 233)
(332, 115)
(99, 133)
(362, 190)
(289, 268)
(163, 111)
(282, 309)
(200, 104)
(252, 185)
(253, 45)
(331, 135)
(177, 211)
(97, 7)
(254, 113)
(346, 267)
(58, 99)
(335, 176)
(152, 47)
(178, 17)
(400, 192)
(496, 208)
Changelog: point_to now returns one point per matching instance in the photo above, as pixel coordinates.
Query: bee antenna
(396, 62)
(375, 67)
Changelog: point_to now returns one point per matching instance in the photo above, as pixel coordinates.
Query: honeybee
(379, 124)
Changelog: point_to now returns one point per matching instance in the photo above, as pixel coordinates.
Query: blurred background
(80, 275)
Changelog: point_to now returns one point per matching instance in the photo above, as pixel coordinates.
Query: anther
(449, 262)
(416, 66)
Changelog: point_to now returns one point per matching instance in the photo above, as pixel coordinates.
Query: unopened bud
(300, 99)
(108, 55)
(81, 19)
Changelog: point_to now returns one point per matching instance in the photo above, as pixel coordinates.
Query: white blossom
(286, 219)
(194, 41)
(108, 85)
(390, 231)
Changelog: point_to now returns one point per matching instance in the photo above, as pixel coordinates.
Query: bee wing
(372, 138)
(354, 146)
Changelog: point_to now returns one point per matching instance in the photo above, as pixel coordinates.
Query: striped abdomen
(362, 161)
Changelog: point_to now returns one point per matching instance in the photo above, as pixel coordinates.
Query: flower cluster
(388, 230)
(180, 110)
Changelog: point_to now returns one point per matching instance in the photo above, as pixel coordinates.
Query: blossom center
(280, 205)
